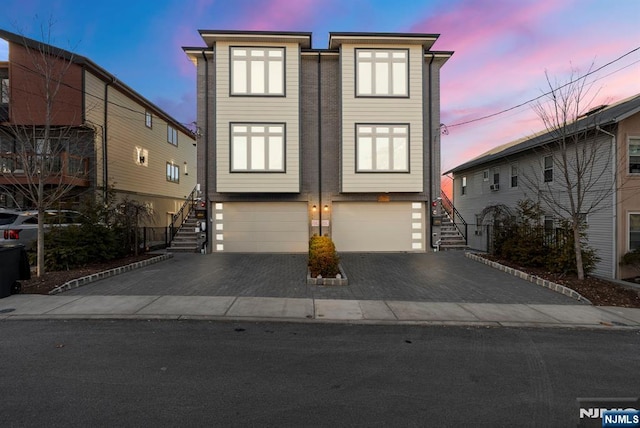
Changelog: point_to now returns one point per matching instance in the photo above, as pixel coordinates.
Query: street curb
(78, 282)
(292, 320)
(531, 278)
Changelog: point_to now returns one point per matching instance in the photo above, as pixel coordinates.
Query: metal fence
(484, 237)
(153, 238)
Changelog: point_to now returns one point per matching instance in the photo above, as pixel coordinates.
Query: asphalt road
(170, 373)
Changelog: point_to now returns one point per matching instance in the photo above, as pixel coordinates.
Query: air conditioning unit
(494, 187)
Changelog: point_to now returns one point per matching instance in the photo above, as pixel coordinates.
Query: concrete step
(182, 250)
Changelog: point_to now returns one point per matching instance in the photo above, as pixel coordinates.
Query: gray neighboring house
(296, 141)
(498, 176)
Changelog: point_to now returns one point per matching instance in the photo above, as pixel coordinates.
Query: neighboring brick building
(298, 141)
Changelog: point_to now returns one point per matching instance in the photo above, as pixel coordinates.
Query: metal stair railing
(182, 215)
(454, 215)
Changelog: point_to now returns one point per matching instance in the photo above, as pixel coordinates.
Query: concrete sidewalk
(22, 306)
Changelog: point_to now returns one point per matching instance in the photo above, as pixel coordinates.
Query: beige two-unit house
(504, 175)
(132, 145)
(299, 141)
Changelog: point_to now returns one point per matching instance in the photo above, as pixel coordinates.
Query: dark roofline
(375, 34)
(258, 32)
(604, 118)
(95, 69)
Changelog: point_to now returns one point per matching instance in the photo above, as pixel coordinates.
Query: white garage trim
(261, 227)
(378, 226)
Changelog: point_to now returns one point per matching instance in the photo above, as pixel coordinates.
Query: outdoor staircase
(186, 239)
(450, 236)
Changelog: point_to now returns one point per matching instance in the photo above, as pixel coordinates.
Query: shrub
(323, 258)
(632, 258)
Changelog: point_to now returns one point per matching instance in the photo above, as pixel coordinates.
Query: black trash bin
(14, 265)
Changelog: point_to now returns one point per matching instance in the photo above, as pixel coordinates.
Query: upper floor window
(257, 71)
(148, 119)
(382, 73)
(172, 135)
(485, 175)
(634, 155)
(548, 169)
(382, 148)
(4, 91)
(514, 175)
(463, 188)
(173, 172)
(257, 147)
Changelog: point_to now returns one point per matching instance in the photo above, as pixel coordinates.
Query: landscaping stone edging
(78, 282)
(531, 278)
(328, 281)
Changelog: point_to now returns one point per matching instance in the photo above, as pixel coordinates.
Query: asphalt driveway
(446, 276)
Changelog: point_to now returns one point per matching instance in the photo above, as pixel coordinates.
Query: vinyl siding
(127, 131)
(628, 196)
(94, 115)
(479, 196)
(256, 109)
(383, 111)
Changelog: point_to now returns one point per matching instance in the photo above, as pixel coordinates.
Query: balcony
(65, 169)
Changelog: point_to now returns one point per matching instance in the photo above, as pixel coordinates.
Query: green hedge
(323, 258)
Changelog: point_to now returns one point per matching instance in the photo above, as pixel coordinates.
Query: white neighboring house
(504, 174)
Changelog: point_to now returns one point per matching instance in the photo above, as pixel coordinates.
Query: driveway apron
(427, 277)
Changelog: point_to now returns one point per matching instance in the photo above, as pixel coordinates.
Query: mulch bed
(598, 291)
(50, 280)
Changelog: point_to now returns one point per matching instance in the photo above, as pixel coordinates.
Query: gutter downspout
(431, 199)
(319, 147)
(105, 131)
(614, 171)
(205, 137)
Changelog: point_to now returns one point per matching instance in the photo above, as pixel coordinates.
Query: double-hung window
(257, 71)
(382, 72)
(382, 148)
(257, 147)
(172, 135)
(148, 119)
(634, 231)
(514, 175)
(548, 169)
(634, 155)
(463, 186)
(173, 172)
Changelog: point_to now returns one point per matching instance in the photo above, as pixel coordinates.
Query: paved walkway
(433, 288)
(315, 310)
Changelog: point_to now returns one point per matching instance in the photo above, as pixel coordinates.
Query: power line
(544, 94)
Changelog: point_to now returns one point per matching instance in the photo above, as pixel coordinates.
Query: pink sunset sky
(502, 48)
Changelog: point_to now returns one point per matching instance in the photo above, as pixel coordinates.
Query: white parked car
(21, 227)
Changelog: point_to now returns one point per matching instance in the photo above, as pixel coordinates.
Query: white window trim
(463, 185)
(629, 214)
(148, 119)
(236, 131)
(485, 175)
(511, 167)
(375, 135)
(266, 59)
(632, 140)
(359, 59)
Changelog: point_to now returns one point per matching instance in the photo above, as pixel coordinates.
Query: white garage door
(378, 226)
(261, 227)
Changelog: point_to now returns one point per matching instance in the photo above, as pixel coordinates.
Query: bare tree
(574, 175)
(48, 159)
